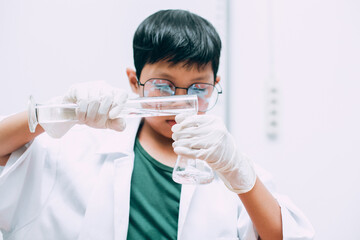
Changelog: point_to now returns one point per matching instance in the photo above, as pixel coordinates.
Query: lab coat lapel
(187, 192)
(122, 182)
(119, 141)
(107, 213)
(99, 215)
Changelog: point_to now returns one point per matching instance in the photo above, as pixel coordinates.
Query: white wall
(316, 56)
(45, 46)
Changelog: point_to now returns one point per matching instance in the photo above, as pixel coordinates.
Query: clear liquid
(57, 129)
(193, 177)
(143, 112)
(63, 114)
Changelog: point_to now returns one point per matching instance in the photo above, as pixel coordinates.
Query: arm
(206, 138)
(99, 106)
(264, 211)
(14, 133)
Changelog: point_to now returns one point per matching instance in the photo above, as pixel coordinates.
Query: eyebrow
(169, 77)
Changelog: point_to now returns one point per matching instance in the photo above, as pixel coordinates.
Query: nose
(180, 91)
(186, 103)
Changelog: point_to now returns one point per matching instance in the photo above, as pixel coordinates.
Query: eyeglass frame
(215, 86)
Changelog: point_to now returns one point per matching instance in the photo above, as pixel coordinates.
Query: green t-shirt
(154, 199)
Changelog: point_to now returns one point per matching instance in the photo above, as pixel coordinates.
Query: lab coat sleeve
(25, 185)
(295, 225)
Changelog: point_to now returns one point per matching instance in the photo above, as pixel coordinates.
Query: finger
(104, 95)
(70, 96)
(182, 116)
(194, 121)
(102, 114)
(80, 93)
(187, 122)
(92, 111)
(185, 133)
(81, 111)
(185, 152)
(192, 153)
(120, 97)
(195, 131)
(176, 128)
(115, 111)
(117, 124)
(194, 143)
(105, 105)
(105, 90)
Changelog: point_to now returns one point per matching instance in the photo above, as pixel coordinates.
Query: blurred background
(290, 74)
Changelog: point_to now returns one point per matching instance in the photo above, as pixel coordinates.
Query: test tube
(137, 107)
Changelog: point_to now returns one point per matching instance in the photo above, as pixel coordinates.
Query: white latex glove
(205, 137)
(99, 105)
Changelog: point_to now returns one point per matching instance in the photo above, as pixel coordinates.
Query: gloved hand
(205, 137)
(99, 105)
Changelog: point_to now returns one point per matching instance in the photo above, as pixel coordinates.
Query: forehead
(178, 72)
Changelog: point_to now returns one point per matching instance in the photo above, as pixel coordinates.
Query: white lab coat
(78, 187)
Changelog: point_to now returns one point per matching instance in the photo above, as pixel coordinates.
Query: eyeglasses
(207, 93)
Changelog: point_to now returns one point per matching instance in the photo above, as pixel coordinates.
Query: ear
(217, 80)
(133, 80)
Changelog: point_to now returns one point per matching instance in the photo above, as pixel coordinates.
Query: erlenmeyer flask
(192, 171)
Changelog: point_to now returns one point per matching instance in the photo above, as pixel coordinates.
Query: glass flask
(192, 171)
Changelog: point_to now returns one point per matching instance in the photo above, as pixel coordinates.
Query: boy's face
(180, 76)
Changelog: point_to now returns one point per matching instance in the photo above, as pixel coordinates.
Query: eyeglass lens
(207, 96)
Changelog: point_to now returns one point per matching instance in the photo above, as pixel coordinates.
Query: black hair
(176, 36)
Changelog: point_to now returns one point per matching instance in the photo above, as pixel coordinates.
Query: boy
(105, 184)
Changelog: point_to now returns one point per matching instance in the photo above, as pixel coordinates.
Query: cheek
(159, 125)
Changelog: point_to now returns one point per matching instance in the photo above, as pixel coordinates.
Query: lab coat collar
(122, 185)
(119, 150)
(106, 205)
(107, 213)
(120, 142)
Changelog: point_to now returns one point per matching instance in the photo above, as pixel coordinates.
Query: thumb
(117, 124)
(182, 116)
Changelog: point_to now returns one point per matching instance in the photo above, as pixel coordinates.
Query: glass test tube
(138, 107)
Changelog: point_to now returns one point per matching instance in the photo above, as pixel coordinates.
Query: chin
(161, 125)
(165, 130)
